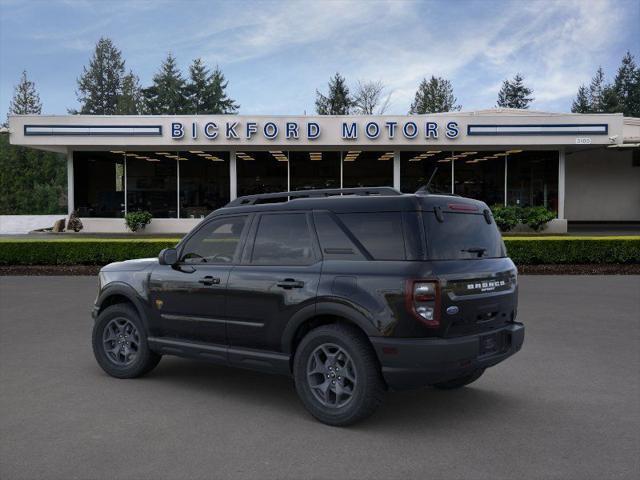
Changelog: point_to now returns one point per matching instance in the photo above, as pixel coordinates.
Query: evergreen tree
(597, 91)
(167, 95)
(100, 84)
(581, 104)
(130, 100)
(433, 96)
(337, 101)
(25, 99)
(514, 94)
(206, 91)
(627, 86)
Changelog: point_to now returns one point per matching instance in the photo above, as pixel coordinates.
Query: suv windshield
(462, 236)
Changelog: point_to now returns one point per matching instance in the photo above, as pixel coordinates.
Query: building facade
(180, 168)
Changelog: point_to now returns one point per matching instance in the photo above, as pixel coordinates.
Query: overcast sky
(276, 54)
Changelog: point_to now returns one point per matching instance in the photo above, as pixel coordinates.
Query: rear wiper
(479, 250)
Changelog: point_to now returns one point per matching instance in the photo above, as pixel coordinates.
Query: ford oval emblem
(452, 310)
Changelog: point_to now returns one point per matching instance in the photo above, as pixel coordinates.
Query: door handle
(288, 283)
(209, 280)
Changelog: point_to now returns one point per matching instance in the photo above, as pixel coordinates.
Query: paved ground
(567, 406)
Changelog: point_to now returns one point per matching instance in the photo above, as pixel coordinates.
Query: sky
(276, 54)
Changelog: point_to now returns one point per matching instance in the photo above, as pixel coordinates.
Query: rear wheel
(120, 343)
(337, 375)
(460, 381)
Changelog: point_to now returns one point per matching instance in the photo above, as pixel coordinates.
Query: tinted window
(283, 240)
(216, 242)
(462, 236)
(334, 242)
(381, 234)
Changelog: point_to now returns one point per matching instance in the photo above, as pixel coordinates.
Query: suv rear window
(462, 236)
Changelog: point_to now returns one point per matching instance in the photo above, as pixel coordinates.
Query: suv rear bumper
(415, 362)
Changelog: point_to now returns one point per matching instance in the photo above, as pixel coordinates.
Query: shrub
(536, 217)
(506, 217)
(137, 220)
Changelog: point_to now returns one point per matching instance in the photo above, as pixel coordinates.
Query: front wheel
(460, 381)
(120, 343)
(337, 375)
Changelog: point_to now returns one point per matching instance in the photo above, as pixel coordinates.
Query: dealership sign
(292, 130)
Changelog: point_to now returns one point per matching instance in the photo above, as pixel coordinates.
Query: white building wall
(602, 185)
(13, 224)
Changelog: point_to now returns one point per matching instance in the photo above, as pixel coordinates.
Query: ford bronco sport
(349, 291)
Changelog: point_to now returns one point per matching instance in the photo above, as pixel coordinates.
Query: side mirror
(168, 256)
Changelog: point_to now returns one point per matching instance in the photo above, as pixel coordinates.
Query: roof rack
(327, 192)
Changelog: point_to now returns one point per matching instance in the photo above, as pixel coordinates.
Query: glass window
(416, 168)
(335, 243)
(262, 172)
(152, 183)
(367, 169)
(462, 236)
(532, 178)
(381, 234)
(283, 239)
(310, 170)
(216, 242)
(480, 175)
(204, 182)
(99, 184)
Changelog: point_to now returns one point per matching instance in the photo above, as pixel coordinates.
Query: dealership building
(584, 167)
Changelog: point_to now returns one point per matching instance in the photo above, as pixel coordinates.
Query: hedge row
(523, 250)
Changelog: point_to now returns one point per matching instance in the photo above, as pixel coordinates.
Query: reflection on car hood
(130, 265)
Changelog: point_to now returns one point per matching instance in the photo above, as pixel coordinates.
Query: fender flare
(325, 307)
(127, 291)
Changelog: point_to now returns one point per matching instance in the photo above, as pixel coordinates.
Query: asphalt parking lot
(567, 406)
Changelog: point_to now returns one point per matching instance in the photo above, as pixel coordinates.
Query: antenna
(425, 188)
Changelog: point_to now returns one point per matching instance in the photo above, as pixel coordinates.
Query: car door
(188, 298)
(278, 276)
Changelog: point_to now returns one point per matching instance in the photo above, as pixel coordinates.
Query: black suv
(350, 291)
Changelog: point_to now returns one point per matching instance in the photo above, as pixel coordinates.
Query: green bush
(137, 220)
(522, 250)
(537, 217)
(506, 217)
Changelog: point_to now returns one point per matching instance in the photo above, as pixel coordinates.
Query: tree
(167, 95)
(514, 94)
(206, 91)
(338, 100)
(597, 89)
(433, 96)
(130, 100)
(100, 85)
(369, 98)
(581, 104)
(25, 99)
(627, 86)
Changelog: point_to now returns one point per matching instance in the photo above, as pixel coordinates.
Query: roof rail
(327, 192)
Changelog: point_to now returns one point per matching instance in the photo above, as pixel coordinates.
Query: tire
(460, 381)
(359, 388)
(133, 358)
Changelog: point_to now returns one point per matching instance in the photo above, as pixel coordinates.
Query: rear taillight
(423, 301)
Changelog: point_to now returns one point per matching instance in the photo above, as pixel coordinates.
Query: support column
(561, 181)
(396, 170)
(233, 176)
(70, 183)
(506, 170)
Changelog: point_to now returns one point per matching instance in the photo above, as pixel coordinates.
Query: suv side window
(335, 243)
(380, 233)
(217, 242)
(283, 239)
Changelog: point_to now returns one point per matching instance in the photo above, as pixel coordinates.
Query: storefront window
(262, 172)
(152, 183)
(367, 169)
(532, 178)
(480, 175)
(99, 184)
(416, 168)
(204, 182)
(310, 170)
